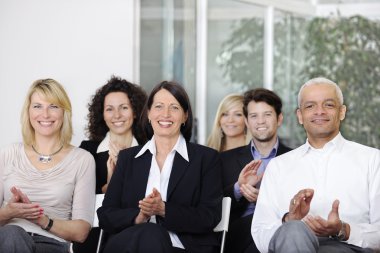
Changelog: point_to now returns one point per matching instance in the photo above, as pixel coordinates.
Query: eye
(330, 105)
(158, 106)
(239, 114)
(174, 107)
(268, 114)
(253, 116)
(125, 107)
(37, 106)
(108, 109)
(53, 106)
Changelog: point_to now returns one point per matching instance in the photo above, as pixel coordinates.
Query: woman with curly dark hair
(113, 119)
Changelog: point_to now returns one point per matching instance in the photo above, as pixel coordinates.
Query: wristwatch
(341, 235)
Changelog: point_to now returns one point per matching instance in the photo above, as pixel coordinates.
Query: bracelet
(283, 217)
(49, 225)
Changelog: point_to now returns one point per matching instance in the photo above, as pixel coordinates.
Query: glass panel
(167, 43)
(235, 51)
(288, 60)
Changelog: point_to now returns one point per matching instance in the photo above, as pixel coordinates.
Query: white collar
(337, 141)
(180, 147)
(105, 144)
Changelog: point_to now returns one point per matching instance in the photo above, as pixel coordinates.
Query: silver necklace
(46, 158)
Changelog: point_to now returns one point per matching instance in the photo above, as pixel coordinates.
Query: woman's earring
(183, 124)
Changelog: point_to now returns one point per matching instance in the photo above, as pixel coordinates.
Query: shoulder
(12, 150)
(282, 148)
(90, 146)
(236, 152)
(200, 149)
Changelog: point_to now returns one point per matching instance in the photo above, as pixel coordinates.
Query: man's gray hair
(321, 80)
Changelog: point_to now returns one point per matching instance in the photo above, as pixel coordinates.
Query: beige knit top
(65, 191)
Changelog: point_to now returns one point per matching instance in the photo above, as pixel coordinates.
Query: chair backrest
(223, 224)
(226, 208)
(98, 203)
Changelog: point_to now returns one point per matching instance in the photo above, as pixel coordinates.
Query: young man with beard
(243, 167)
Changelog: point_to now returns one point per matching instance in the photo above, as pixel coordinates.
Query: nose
(45, 112)
(166, 111)
(260, 119)
(319, 109)
(117, 114)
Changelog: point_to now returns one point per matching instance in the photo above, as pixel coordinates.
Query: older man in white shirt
(325, 195)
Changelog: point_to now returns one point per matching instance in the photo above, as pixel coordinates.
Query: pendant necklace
(46, 158)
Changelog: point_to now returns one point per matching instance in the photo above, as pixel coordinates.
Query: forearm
(70, 230)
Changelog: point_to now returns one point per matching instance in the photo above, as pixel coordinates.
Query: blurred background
(213, 48)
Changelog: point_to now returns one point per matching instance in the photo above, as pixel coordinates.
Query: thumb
(334, 214)
(335, 206)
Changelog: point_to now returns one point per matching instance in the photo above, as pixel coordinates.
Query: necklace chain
(46, 158)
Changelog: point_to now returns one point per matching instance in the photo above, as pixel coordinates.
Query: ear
(246, 122)
(299, 116)
(342, 112)
(185, 117)
(280, 119)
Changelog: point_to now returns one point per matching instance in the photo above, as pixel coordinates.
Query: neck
(319, 142)
(234, 142)
(124, 140)
(47, 145)
(165, 145)
(266, 147)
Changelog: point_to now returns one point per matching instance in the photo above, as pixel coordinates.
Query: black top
(233, 161)
(100, 161)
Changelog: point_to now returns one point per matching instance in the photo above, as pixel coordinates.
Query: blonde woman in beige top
(229, 129)
(46, 185)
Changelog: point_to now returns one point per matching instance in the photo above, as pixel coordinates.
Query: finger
(335, 207)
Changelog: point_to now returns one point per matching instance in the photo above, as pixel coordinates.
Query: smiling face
(320, 113)
(45, 117)
(166, 115)
(118, 113)
(232, 121)
(262, 121)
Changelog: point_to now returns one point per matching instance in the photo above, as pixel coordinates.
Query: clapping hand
(19, 206)
(322, 227)
(248, 179)
(299, 206)
(149, 206)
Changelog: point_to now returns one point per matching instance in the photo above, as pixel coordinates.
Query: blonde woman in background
(229, 130)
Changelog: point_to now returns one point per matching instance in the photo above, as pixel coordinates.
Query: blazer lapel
(180, 165)
(142, 173)
(245, 156)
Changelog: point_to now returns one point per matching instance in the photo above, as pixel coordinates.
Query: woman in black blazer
(114, 114)
(164, 196)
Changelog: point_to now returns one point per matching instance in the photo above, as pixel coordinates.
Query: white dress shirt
(105, 144)
(343, 170)
(160, 179)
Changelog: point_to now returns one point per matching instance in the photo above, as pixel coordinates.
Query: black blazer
(193, 205)
(100, 161)
(233, 161)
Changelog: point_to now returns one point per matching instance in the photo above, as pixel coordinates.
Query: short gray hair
(321, 80)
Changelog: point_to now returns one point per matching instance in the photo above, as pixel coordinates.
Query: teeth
(118, 123)
(166, 123)
(46, 123)
(261, 128)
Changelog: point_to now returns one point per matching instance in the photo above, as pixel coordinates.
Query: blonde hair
(216, 139)
(56, 94)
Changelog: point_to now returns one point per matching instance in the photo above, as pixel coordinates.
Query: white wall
(80, 43)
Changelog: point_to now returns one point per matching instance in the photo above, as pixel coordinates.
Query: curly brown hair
(97, 128)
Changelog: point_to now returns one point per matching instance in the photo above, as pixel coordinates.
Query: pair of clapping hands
(248, 179)
(19, 206)
(299, 208)
(149, 206)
